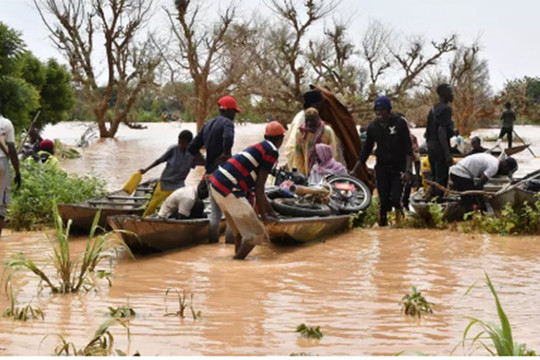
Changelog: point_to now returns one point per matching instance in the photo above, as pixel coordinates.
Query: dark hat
(382, 101)
(46, 144)
(312, 97)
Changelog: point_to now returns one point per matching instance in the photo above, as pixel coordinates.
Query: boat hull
(146, 235)
(300, 230)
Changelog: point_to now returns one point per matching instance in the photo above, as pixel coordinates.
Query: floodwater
(349, 285)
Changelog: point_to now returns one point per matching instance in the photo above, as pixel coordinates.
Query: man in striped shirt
(234, 179)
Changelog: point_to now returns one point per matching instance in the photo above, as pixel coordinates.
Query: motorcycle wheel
(292, 207)
(345, 201)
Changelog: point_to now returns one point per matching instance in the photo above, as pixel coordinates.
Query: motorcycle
(335, 195)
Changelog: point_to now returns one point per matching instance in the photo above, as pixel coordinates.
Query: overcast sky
(509, 31)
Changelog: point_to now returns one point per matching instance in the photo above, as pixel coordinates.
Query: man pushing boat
(234, 179)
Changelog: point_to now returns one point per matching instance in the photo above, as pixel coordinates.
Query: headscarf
(327, 164)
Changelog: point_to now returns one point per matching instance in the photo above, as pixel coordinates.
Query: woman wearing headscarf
(325, 164)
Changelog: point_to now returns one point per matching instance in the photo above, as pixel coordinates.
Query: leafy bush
(31, 205)
(415, 304)
(523, 220)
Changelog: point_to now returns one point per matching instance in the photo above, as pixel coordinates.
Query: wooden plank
(124, 197)
(115, 203)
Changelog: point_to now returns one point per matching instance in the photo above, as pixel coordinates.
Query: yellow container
(132, 183)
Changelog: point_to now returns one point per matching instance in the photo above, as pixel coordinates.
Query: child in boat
(325, 164)
(185, 203)
(234, 179)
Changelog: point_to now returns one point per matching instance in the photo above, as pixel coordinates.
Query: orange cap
(228, 102)
(274, 128)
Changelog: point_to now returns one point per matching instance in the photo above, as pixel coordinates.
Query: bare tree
(469, 76)
(375, 51)
(203, 55)
(332, 59)
(129, 67)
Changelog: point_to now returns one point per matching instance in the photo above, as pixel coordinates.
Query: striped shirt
(239, 174)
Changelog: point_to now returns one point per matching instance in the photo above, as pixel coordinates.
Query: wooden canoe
(152, 234)
(515, 196)
(115, 203)
(294, 230)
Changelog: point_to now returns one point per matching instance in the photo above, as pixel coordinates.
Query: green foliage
(436, 211)
(23, 314)
(26, 84)
(365, 219)
(101, 344)
(124, 311)
(31, 205)
(182, 304)
(501, 337)
(523, 220)
(65, 152)
(309, 332)
(72, 274)
(415, 304)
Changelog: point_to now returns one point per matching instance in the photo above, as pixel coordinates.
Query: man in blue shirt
(217, 136)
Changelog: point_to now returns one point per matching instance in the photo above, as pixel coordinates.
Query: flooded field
(349, 285)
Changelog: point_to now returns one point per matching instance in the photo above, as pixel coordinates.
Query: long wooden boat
(115, 203)
(152, 234)
(515, 196)
(508, 151)
(294, 230)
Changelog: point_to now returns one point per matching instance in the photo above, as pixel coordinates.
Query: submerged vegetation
(101, 344)
(415, 304)
(309, 332)
(31, 205)
(500, 335)
(124, 311)
(182, 305)
(25, 313)
(71, 274)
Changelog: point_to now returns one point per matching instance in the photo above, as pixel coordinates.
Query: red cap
(46, 144)
(228, 102)
(274, 128)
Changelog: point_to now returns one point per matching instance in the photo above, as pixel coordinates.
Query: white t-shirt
(7, 133)
(476, 165)
(181, 201)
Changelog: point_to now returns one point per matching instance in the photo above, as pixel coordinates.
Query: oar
(520, 139)
(26, 135)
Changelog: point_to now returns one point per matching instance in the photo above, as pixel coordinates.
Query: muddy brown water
(349, 285)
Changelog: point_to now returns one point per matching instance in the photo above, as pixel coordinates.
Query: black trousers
(464, 184)
(390, 189)
(439, 171)
(509, 132)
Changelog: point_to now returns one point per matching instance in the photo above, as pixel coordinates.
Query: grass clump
(500, 335)
(25, 313)
(124, 311)
(71, 275)
(30, 207)
(415, 304)
(309, 332)
(367, 218)
(65, 152)
(182, 305)
(101, 344)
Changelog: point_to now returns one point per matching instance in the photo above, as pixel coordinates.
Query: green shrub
(367, 218)
(31, 205)
(415, 304)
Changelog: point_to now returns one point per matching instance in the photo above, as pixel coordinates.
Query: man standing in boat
(217, 137)
(439, 130)
(178, 165)
(234, 179)
(473, 172)
(508, 117)
(394, 156)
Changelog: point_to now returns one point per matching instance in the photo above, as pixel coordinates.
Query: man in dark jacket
(439, 130)
(217, 136)
(508, 117)
(394, 156)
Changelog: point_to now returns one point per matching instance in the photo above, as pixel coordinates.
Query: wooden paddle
(520, 139)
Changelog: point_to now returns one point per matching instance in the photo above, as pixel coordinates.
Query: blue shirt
(239, 174)
(177, 168)
(216, 135)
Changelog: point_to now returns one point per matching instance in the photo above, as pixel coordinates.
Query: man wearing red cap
(217, 136)
(45, 154)
(233, 180)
